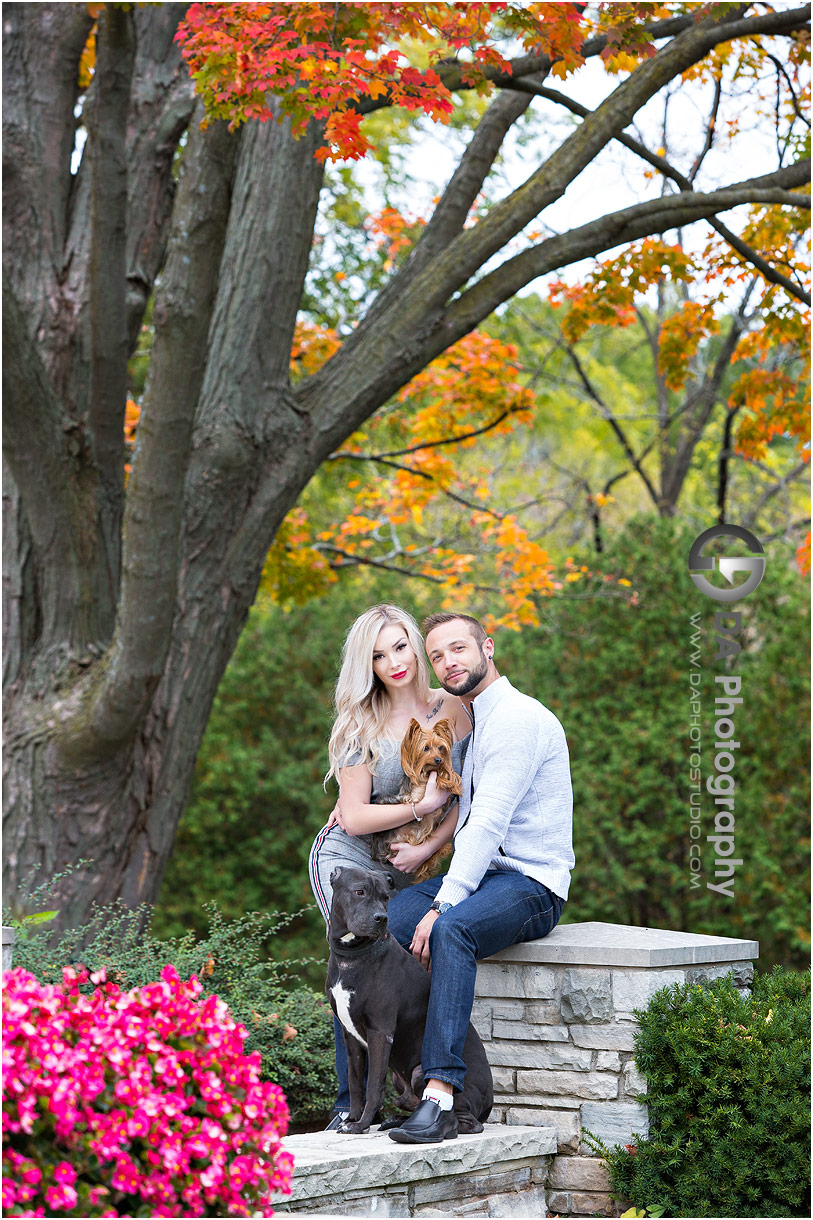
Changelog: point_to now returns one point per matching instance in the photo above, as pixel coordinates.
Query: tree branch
(710, 130)
(619, 228)
(472, 248)
(364, 367)
(463, 187)
(41, 444)
(700, 404)
(797, 471)
(352, 560)
(528, 65)
(780, 70)
(116, 702)
(686, 184)
(449, 216)
(419, 474)
(107, 285)
(449, 440)
(616, 427)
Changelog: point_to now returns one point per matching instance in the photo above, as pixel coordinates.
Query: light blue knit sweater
(521, 816)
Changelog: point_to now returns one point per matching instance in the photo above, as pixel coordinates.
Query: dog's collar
(360, 945)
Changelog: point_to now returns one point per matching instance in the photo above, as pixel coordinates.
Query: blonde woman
(383, 684)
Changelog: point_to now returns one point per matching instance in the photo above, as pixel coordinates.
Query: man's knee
(450, 930)
(400, 920)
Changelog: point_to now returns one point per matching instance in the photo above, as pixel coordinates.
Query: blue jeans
(506, 909)
(342, 1103)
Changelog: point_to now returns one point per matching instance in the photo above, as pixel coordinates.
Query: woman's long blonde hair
(362, 703)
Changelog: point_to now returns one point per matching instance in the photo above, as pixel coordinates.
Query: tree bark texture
(123, 608)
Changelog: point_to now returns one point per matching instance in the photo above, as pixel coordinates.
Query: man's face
(460, 664)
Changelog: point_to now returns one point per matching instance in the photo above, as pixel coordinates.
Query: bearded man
(510, 873)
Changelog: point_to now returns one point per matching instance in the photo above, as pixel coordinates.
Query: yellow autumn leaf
(622, 62)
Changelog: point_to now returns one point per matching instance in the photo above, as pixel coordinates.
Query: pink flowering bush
(138, 1103)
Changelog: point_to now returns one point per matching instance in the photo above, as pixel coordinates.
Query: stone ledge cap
(614, 944)
(327, 1163)
(8, 935)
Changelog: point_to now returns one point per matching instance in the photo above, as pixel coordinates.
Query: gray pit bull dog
(380, 994)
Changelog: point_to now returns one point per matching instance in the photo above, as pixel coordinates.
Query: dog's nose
(437, 760)
(380, 917)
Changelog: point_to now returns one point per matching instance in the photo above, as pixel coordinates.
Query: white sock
(444, 1100)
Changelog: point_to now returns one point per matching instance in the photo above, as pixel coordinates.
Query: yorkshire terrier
(422, 752)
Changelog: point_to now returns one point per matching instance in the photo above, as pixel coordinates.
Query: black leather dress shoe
(428, 1124)
(336, 1122)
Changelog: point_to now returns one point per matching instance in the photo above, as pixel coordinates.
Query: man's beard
(474, 679)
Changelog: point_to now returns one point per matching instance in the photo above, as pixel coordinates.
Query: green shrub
(615, 671)
(290, 1024)
(728, 1078)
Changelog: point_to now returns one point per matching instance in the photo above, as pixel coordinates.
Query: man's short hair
(448, 616)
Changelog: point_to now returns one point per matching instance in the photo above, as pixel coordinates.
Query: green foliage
(615, 671)
(728, 1079)
(583, 451)
(613, 665)
(289, 1024)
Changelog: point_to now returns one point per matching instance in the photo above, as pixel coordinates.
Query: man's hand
(407, 857)
(420, 941)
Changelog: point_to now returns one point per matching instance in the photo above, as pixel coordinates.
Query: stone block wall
(499, 1173)
(556, 1017)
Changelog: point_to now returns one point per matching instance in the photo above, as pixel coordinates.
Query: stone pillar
(8, 947)
(556, 1017)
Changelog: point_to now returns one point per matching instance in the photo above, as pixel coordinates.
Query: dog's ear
(415, 730)
(444, 728)
(408, 746)
(334, 876)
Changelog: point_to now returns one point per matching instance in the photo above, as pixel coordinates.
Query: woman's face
(394, 660)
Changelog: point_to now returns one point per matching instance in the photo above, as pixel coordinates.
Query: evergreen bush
(613, 663)
(728, 1080)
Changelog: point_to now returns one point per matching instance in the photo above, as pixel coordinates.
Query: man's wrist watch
(441, 907)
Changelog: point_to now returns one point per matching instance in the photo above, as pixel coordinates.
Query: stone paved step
(333, 1171)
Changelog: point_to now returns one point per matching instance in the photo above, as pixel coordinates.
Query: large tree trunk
(118, 633)
(103, 741)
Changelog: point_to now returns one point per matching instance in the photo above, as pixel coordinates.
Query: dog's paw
(349, 1128)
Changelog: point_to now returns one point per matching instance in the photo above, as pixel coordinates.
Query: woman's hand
(407, 857)
(432, 799)
(335, 818)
